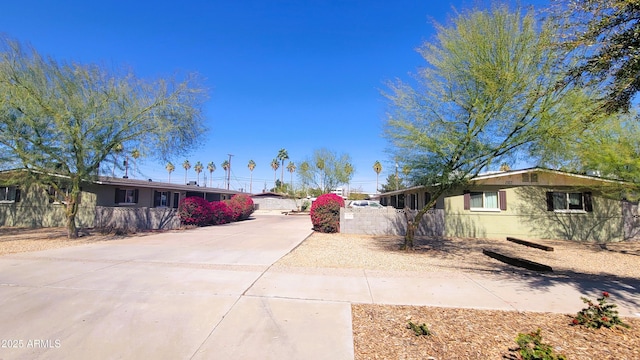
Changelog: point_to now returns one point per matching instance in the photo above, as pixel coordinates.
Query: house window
(126, 196)
(58, 196)
(569, 201)
(176, 200)
(161, 198)
(427, 199)
(413, 202)
(485, 201)
(9, 194)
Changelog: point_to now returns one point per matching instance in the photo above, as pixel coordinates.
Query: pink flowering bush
(220, 213)
(325, 213)
(195, 211)
(241, 205)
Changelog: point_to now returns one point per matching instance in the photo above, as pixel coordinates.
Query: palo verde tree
(59, 121)
(325, 170)
(490, 88)
(603, 36)
(609, 146)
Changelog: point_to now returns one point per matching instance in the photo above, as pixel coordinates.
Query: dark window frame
(10, 194)
(502, 201)
(122, 197)
(554, 198)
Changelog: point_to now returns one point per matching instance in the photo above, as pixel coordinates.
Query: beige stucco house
(533, 203)
(104, 202)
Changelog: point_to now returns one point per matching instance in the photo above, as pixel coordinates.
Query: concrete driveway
(167, 296)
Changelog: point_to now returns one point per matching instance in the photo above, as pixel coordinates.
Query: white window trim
(570, 211)
(484, 209)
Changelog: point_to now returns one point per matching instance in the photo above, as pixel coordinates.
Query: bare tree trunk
(414, 222)
(411, 229)
(71, 211)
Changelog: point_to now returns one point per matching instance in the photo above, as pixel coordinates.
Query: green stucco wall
(34, 210)
(527, 217)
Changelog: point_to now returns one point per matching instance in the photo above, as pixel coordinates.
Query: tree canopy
(325, 170)
(67, 119)
(490, 90)
(604, 36)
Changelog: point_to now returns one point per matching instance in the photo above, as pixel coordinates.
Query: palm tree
(198, 169)
(377, 167)
(135, 154)
(211, 167)
(282, 156)
(186, 165)
(117, 150)
(226, 166)
(320, 166)
(170, 167)
(274, 165)
(291, 167)
(348, 170)
(251, 166)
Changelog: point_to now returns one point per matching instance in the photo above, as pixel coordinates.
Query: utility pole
(397, 185)
(229, 173)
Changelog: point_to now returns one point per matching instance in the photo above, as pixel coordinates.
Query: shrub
(241, 206)
(419, 330)
(598, 315)
(220, 213)
(531, 347)
(325, 213)
(305, 205)
(195, 211)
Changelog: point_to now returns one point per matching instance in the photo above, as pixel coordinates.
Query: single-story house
(118, 203)
(269, 200)
(534, 203)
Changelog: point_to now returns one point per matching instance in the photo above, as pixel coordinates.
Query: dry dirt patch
(16, 240)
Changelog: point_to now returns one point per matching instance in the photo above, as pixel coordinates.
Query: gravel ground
(440, 254)
(380, 331)
(17, 240)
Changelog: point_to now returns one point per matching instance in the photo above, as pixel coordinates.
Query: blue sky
(299, 75)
